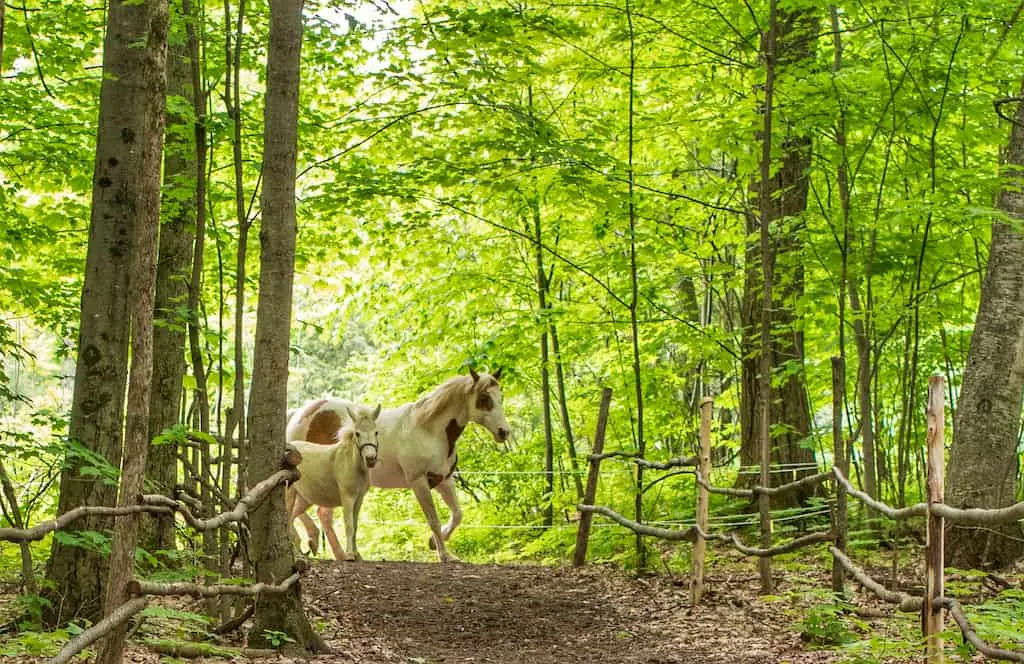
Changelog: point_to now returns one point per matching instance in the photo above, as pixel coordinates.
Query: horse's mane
(455, 388)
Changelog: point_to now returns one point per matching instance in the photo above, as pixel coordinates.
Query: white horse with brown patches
(418, 442)
(335, 475)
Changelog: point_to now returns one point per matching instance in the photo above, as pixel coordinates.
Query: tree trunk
(545, 363)
(787, 197)
(983, 459)
(138, 24)
(563, 405)
(75, 575)
(272, 550)
(178, 211)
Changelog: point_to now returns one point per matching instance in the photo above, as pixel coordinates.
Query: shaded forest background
(567, 191)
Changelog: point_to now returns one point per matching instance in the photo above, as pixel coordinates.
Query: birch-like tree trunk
(983, 460)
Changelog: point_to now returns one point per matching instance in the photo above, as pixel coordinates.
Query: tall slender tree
(77, 568)
(786, 193)
(146, 23)
(983, 460)
(173, 269)
(272, 550)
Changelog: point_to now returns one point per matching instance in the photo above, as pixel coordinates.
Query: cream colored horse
(418, 442)
(335, 475)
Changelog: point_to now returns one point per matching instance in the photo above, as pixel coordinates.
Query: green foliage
(39, 644)
(163, 621)
(439, 149)
(827, 624)
(276, 638)
(997, 621)
(85, 539)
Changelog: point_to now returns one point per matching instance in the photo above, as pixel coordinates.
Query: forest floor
(428, 613)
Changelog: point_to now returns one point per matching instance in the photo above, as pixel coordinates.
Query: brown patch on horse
(323, 428)
(484, 402)
(433, 479)
(453, 430)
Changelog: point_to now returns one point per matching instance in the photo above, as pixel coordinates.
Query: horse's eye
(484, 402)
(358, 435)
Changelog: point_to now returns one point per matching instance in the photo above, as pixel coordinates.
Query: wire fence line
(573, 526)
(905, 601)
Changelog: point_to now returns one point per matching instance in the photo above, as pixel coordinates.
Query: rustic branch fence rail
(140, 592)
(933, 605)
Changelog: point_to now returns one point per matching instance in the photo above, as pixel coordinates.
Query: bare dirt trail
(392, 612)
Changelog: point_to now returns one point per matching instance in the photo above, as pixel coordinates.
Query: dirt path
(431, 613)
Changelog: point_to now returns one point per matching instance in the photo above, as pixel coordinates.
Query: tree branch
(97, 631)
(40, 531)
(248, 502)
(215, 590)
(691, 534)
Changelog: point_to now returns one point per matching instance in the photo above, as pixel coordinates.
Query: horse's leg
(421, 487)
(451, 499)
(355, 518)
(297, 506)
(348, 506)
(312, 532)
(326, 515)
(289, 506)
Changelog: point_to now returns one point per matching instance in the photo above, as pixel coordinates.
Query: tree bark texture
(272, 551)
(787, 192)
(173, 270)
(75, 575)
(146, 24)
(983, 459)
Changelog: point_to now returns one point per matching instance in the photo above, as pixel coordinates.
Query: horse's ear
(474, 374)
(376, 412)
(350, 415)
(497, 374)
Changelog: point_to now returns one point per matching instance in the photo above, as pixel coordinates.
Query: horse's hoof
(352, 557)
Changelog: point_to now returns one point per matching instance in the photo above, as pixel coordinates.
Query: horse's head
(485, 406)
(363, 422)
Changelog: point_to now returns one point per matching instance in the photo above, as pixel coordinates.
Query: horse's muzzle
(502, 435)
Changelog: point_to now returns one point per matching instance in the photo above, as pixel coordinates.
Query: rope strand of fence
(566, 526)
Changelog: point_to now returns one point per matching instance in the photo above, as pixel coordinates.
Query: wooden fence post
(704, 468)
(933, 618)
(583, 533)
(840, 459)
